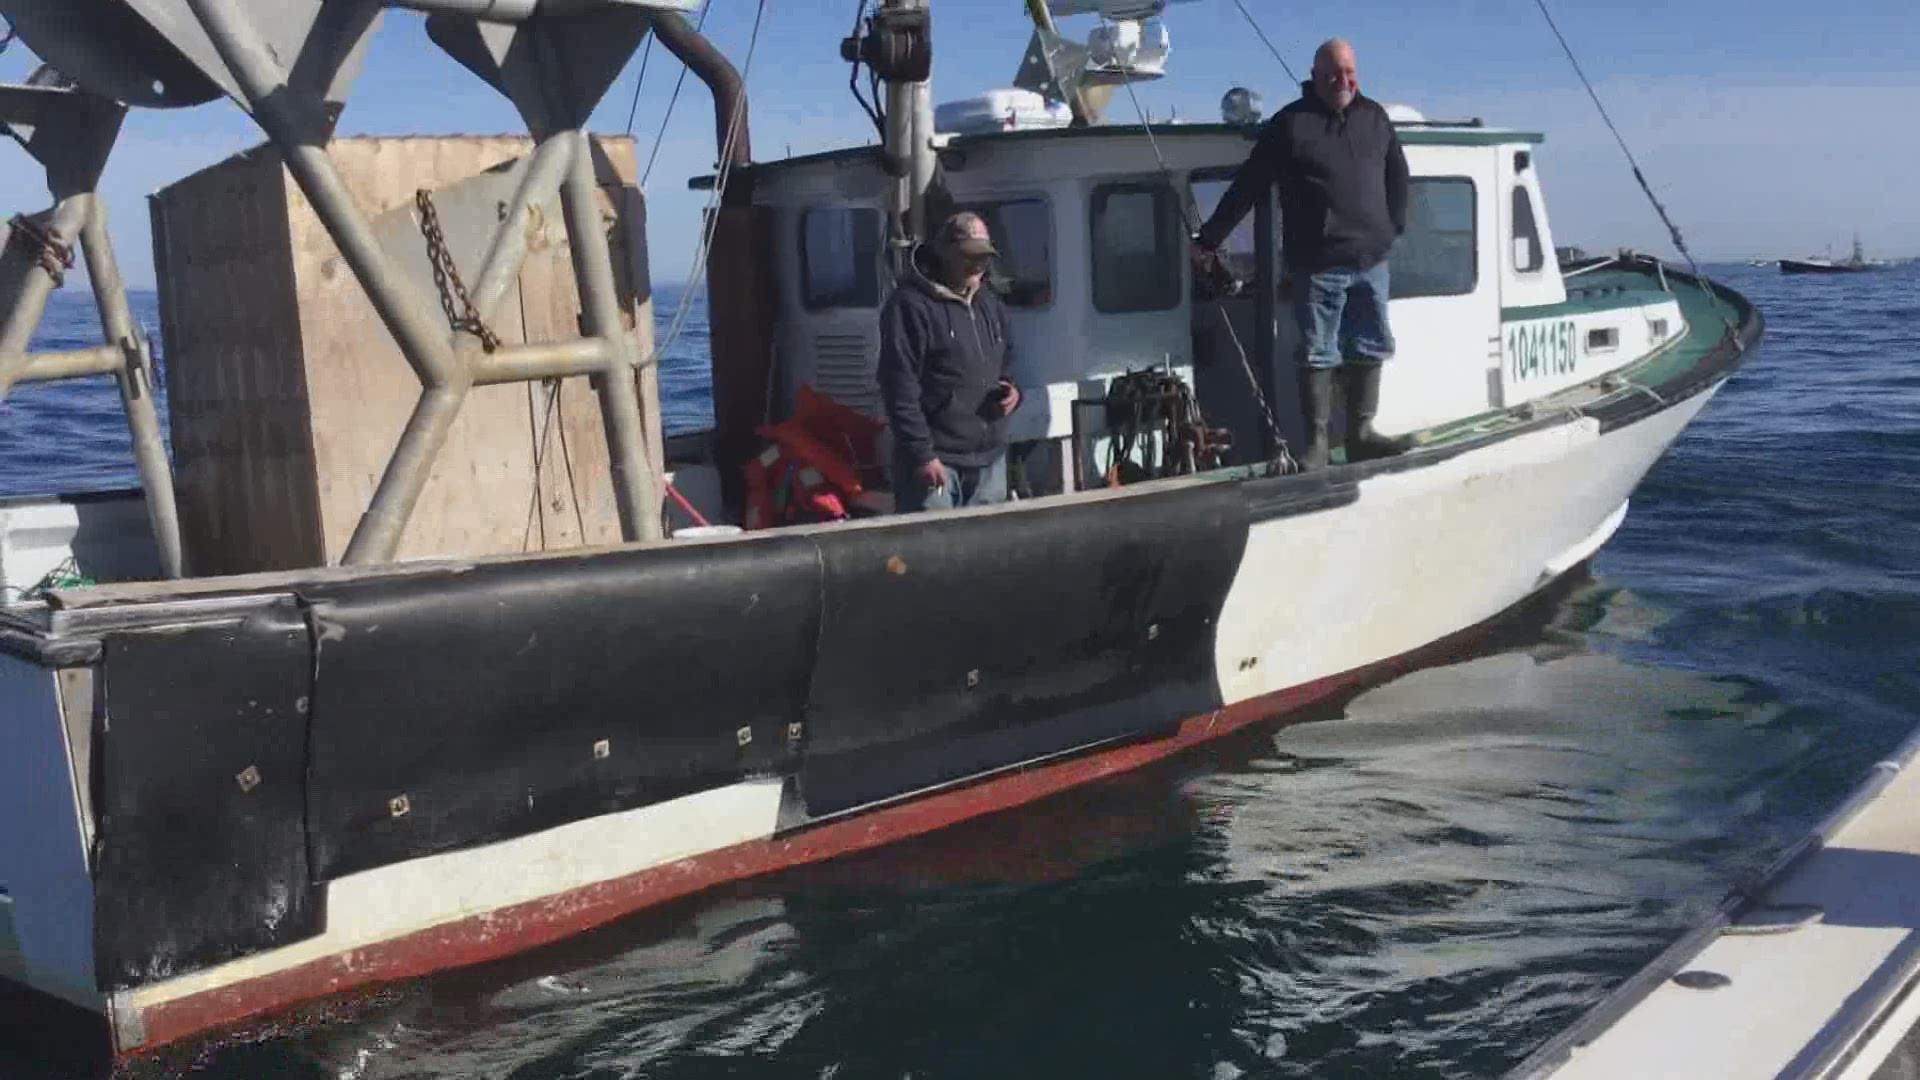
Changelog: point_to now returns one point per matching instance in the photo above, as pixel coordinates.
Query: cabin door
(831, 339)
(1445, 310)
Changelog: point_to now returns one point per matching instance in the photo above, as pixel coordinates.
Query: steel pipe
(526, 363)
(419, 328)
(711, 67)
(20, 313)
(634, 494)
(513, 11)
(1266, 321)
(508, 253)
(75, 364)
(135, 378)
(377, 536)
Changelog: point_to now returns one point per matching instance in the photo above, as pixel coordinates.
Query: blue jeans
(1342, 314)
(981, 486)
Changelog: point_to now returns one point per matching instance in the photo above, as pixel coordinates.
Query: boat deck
(1673, 371)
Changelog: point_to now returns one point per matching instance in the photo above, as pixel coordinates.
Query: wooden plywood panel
(356, 390)
(236, 393)
(477, 499)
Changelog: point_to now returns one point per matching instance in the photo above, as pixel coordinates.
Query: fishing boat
(1809, 970)
(1853, 264)
(269, 756)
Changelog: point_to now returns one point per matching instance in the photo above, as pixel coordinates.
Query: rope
(53, 255)
(699, 519)
(540, 451)
(566, 461)
(541, 431)
(6, 39)
(66, 575)
(1251, 21)
(1284, 461)
(633, 109)
(874, 110)
(1673, 230)
(698, 25)
(1150, 405)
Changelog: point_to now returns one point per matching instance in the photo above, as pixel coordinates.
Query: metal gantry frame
(71, 133)
(554, 59)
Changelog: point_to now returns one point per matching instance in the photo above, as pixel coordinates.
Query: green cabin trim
(1586, 301)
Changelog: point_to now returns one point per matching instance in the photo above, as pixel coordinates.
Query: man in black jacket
(1343, 202)
(946, 374)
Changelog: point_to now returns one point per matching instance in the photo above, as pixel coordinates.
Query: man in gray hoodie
(946, 374)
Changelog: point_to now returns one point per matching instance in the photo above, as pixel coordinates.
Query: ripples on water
(1425, 881)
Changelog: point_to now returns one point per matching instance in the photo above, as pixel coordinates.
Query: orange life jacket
(812, 469)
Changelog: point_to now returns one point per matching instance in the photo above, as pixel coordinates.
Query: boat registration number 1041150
(1540, 350)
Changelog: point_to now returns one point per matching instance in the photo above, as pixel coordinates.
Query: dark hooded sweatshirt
(941, 356)
(1342, 178)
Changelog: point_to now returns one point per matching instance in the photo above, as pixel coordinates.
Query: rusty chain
(54, 255)
(446, 277)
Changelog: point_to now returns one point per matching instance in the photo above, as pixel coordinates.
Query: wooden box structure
(287, 393)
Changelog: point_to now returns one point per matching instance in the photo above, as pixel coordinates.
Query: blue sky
(1766, 126)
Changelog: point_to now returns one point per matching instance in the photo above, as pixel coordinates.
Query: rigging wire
(1673, 230)
(1251, 21)
(699, 24)
(1283, 459)
(633, 109)
(705, 247)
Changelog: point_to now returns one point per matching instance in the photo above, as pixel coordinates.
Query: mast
(1056, 68)
(898, 45)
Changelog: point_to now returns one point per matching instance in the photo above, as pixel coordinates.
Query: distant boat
(1855, 264)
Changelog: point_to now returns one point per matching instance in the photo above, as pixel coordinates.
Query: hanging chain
(53, 255)
(446, 277)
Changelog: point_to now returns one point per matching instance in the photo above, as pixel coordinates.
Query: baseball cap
(967, 234)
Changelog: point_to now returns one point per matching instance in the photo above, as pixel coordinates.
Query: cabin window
(1138, 248)
(840, 258)
(1022, 231)
(1438, 255)
(1527, 255)
(1238, 250)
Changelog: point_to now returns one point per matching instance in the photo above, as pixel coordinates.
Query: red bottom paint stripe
(512, 930)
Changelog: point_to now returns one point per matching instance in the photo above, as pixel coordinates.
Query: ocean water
(1427, 880)
(72, 437)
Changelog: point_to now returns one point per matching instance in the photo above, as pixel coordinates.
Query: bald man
(1343, 202)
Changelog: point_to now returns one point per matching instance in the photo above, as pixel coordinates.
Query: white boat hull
(1320, 601)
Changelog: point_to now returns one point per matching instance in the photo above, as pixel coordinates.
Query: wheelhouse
(1093, 225)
